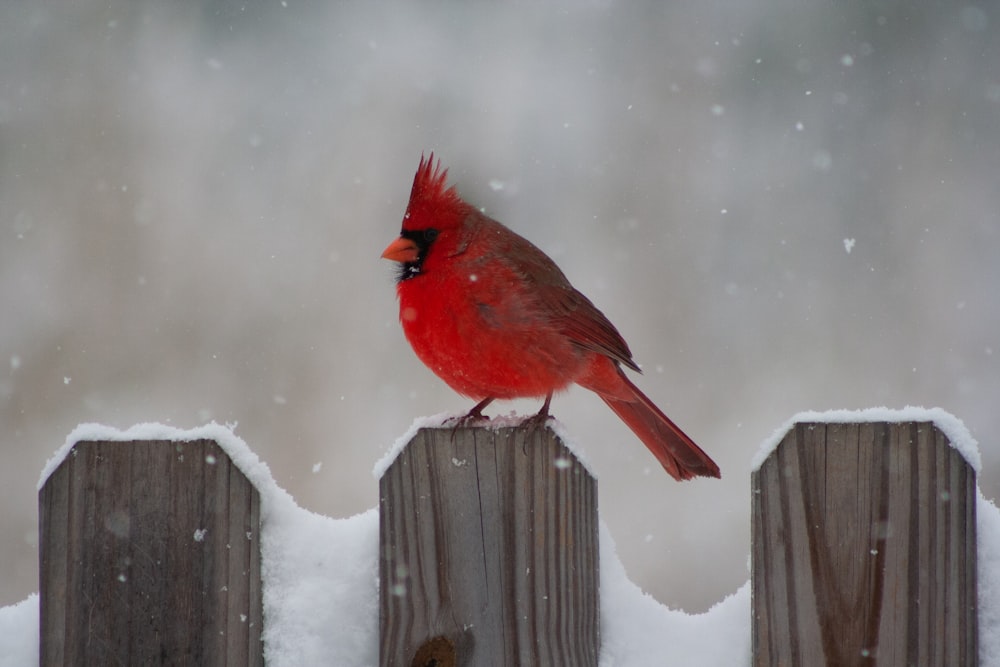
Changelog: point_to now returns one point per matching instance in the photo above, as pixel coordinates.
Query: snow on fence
(864, 552)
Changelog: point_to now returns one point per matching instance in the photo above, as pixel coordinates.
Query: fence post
(149, 555)
(488, 551)
(864, 548)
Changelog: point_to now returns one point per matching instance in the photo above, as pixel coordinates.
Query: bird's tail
(675, 451)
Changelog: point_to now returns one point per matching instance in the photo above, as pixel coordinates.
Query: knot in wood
(435, 652)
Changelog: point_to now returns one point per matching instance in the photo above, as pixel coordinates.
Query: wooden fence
(149, 555)
(489, 552)
(864, 548)
(863, 552)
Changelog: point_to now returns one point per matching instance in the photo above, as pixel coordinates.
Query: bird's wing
(587, 326)
(563, 305)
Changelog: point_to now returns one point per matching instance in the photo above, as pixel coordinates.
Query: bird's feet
(472, 417)
(539, 420)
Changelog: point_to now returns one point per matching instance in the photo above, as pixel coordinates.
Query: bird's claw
(536, 421)
(469, 419)
(541, 418)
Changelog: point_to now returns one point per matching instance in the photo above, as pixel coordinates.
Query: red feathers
(494, 317)
(429, 193)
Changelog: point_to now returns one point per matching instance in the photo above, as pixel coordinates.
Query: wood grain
(149, 555)
(864, 548)
(489, 552)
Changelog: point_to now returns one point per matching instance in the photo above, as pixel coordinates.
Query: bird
(495, 318)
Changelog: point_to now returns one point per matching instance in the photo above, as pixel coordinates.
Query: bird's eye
(430, 235)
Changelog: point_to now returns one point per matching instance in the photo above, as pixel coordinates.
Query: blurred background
(782, 205)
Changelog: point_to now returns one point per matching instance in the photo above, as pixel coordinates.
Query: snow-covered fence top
(863, 553)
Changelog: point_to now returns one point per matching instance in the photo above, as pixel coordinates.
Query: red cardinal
(494, 317)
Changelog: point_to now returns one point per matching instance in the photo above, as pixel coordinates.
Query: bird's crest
(430, 191)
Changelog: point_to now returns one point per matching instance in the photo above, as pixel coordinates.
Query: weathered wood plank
(149, 555)
(864, 548)
(489, 552)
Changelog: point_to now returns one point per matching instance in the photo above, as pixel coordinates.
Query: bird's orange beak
(401, 250)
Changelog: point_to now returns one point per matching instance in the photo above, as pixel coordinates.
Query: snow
(19, 633)
(636, 630)
(950, 425)
(320, 573)
(988, 580)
